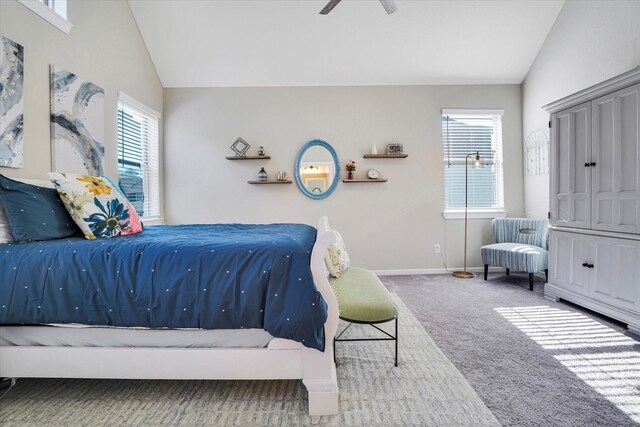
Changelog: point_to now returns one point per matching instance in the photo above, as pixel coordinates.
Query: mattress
(132, 337)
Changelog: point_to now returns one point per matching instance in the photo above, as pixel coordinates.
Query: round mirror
(317, 169)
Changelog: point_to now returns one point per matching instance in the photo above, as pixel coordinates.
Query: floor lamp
(464, 274)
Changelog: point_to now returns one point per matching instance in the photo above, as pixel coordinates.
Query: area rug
(425, 390)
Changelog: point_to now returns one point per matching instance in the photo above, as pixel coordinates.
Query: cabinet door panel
(616, 153)
(570, 190)
(616, 272)
(567, 254)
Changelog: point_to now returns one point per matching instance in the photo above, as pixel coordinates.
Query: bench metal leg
(335, 362)
(390, 337)
(546, 274)
(486, 271)
(507, 271)
(396, 342)
(531, 281)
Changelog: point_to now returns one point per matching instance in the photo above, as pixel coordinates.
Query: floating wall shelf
(385, 156)
(248, 157)
(270, 182)
(365, 180)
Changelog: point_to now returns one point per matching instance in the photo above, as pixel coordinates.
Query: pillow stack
(94, 206)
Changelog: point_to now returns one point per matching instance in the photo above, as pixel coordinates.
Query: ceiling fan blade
(329, 7)
(389, 6)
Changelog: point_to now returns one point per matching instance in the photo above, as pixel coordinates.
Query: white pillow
(337, 258)
(5, 234)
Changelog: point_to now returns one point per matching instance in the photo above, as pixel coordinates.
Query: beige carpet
(425, 389)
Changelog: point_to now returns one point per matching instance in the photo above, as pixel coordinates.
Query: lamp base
(462, 274)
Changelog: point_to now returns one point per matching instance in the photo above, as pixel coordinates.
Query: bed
(255, 303)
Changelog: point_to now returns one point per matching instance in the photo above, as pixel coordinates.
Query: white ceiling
(287, 43)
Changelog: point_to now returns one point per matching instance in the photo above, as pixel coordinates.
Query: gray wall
(386, 226)
(103, 47)
(590, 41)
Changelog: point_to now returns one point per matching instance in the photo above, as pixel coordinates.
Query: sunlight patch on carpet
(556, 329)
(614, 375)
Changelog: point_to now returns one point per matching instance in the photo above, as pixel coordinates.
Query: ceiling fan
(389, 6)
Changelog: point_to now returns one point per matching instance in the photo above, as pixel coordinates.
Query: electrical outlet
(436, 248)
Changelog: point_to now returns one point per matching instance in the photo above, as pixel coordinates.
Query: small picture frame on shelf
(394, 149)
(240, 147)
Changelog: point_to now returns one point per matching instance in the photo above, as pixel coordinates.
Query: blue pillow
(34, 213)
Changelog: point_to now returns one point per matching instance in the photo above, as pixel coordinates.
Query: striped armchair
(521, 244)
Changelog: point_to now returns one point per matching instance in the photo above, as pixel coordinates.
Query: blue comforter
(222, 276)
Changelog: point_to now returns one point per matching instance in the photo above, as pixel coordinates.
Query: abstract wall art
(11, 103)
(77, 124)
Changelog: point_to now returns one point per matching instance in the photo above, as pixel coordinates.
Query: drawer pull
(585, 264)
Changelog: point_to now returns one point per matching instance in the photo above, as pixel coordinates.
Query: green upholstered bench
(362, 298)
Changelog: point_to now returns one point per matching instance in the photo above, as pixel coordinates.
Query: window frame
(55, 13)
(134, 103)
(485, 212)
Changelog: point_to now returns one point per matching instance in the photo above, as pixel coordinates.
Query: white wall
(393, 225)
(590, 41)
(103, 47)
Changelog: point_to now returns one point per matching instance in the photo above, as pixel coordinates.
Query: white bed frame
(282, 359)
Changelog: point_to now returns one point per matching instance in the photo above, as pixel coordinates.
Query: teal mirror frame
(336, 178)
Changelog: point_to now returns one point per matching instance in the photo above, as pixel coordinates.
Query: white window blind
(138, 156)
(465, 132)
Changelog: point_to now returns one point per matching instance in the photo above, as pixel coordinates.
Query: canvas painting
(77, 124)
(11, 103)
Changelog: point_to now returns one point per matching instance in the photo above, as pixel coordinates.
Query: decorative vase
(350, 175)
(261, 151)
(374, 149)
(262, 175)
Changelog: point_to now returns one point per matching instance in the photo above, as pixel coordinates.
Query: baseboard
(410, 271)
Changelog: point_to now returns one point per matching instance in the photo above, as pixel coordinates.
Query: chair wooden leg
(546, 274)
(531, 281)
(486, 271)
(507, 271)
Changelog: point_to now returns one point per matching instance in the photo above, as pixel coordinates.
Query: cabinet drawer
(568, 251)
(616, 272)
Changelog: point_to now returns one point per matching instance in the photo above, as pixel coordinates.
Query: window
(58, 6)
(138, 156)
(465, 132)
(52, 11)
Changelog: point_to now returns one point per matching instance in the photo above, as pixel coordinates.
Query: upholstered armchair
(522, 244)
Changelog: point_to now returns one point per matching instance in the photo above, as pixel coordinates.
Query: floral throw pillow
(337, 258)
(97, 205)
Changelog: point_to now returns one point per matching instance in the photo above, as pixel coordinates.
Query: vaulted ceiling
(288, 43)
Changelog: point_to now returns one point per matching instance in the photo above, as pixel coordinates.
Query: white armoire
(594, 258)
